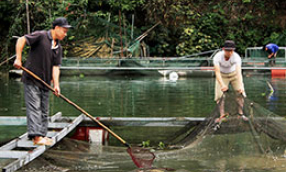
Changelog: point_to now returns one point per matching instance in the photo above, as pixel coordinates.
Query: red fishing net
(141, 157)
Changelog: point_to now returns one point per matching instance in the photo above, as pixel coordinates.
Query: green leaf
(146, 143)
(246, 1)
(161, 145)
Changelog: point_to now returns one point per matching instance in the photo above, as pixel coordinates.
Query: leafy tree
(203, 25)
(187, 26)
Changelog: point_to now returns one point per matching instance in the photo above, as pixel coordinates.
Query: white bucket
(173, 76)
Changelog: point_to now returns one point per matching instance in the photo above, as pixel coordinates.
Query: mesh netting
(75, 155)
(254, 143)
(142, 158)
(264, 126)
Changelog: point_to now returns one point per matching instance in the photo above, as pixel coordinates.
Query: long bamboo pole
(76, 106)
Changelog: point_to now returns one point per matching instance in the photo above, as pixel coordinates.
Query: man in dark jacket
(44, 60)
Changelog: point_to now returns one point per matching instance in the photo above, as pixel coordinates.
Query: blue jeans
(37, 110)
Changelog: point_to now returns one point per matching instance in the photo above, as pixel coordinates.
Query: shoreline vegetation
(125, 29)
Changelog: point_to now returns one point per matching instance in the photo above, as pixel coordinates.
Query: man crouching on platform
(227, 65)
(44, 59)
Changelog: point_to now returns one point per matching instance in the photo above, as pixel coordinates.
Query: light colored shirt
(227, 66)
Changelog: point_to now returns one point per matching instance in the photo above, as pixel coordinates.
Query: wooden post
(132, 26)
(120, 32)
(107, 26)
(28, 16)
(112, 46)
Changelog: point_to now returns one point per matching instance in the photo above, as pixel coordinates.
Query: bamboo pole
(77, 107)
(28, 16)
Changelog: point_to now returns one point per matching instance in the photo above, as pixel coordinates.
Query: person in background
(227, 65)
(272, 50)
(44, 60)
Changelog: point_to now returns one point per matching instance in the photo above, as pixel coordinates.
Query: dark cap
(62, 22)
(229, 45)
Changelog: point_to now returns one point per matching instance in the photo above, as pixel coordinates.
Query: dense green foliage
(187, 26)
(203, 25)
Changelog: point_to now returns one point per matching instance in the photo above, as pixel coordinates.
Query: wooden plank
(13, 120)
(26, 143)
(134, 68)
(13, 154)
(55, 117)
(138, 121)
(22, 120)
(52, 133)
(145, 121)
(163, 68)
(13, 144)
(126, 121)
(68, 129)
(24, 160)
(26, 157)
(57, 125)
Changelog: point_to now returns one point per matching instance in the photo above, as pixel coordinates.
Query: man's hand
(56, 74)
(17, 63)
(57, 91)
(224, 88)
(271, 55)
(240, 91)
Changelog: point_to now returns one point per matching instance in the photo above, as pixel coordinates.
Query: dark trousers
(37, 110)
(272, 61)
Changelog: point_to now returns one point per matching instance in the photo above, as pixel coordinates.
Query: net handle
(77, 107)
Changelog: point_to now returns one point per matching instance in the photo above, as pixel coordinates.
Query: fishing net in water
(234, 144)
(264, 126)
(75, 155)
(141, 157)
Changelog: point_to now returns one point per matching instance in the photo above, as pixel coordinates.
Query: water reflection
(142, 97)
(153, 97)
(138, 97)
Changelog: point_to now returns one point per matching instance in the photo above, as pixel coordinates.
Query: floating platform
(20, 151)
(159, 67)
(112, 121)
